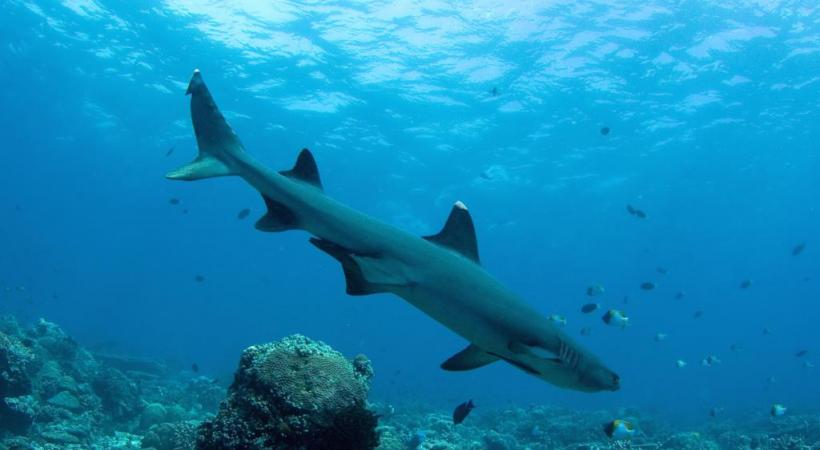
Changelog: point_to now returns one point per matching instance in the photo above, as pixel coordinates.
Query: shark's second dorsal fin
(305, 169)
(458, 233)
(470, 358)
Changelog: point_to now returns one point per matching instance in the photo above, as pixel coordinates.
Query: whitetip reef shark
(439, 274)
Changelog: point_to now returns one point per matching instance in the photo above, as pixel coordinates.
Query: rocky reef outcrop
(294, 394)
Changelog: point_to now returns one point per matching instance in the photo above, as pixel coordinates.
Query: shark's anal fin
(458, 233)
(356, 269)
(305, 169)
(278, 217)
(470, 358)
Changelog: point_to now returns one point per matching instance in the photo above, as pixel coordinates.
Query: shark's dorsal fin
(458, 233)
(278, 217)
(470, 358)
(305, 169)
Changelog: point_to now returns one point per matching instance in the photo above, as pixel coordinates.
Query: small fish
(586, 331)
(243, 213)
(771, 380)
(619, 429)
(801, 353)
(199, 278)
(698, 314)
(661, 270)
(558, 319)
(746, 284)
(595, 290)
(767, 331)
(735, 347)
(169, 152)
(680, 295)
(604, 130)
(710, 361)
(485, 175)
(462, 411)
(494, 91)
(680, 364)
(660, 337)
(714, 412)
(590, 307)
(808, 365)
(615, 318)
(647, 285)
(195, 368)
(798, 249)
(778, 410)
(173, 201)
(185, 211)
(635, 212)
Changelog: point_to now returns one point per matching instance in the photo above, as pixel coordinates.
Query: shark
(440, 274)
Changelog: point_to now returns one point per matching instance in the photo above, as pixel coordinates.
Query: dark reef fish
(170, 151)
(441, 274)
(698, 314)
(801, 353)
(647, 285)
(462, 411)
(661, 270)
(798, 249)
(494, 91)
(199, 278)
(243, 213)
(173, 201)
(589, 307)
(604, 130)
(635, 212)
(746, 284)
(195, 368)
(680, 295)
(595, 290)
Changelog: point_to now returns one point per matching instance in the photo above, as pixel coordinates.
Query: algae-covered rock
(171, 436)
(294, 394)
(153, 414)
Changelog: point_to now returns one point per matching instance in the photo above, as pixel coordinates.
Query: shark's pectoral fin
(458, 233)
(305, 169)
(277, 218)
(470, 358)
(364, 274)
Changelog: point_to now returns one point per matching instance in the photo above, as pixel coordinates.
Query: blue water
(713, 112)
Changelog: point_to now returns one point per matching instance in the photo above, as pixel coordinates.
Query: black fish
(462, 411)
(173, 201)
(604, 130)
(494, 91)
(698, 314)
(589, 307)
(199, 278)
(647, 286)
(801, 353)
(661, 270)
(244, 213)
(635, 212)
(195, 368)
(798, 249)
(170, 150)
(746, 284)
(680, 295)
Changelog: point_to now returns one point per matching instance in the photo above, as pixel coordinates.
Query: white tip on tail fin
(217, 142)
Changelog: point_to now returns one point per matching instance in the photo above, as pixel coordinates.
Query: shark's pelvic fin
(356, 279)
(305, 169)
(277, 218)
(458, 233)
(216, 140)
(470, 358)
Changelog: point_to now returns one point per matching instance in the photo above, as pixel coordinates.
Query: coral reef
(294, 394)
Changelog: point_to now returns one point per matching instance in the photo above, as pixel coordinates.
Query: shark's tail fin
(217, 142)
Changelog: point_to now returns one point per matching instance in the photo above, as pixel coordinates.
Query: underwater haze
(664, 151)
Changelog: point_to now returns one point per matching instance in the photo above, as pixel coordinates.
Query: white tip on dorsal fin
(458, 233)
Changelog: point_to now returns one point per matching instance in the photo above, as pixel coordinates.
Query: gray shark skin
(440, 274)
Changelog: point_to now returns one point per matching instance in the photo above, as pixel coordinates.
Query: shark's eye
(616, 380)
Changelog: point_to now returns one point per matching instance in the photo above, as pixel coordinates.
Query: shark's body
(440, 274)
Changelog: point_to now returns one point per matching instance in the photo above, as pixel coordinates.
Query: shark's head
(571, 368)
